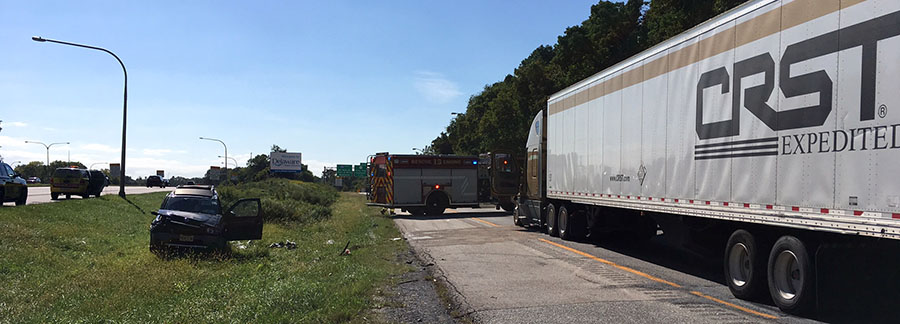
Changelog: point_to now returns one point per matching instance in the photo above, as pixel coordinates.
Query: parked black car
(157, 181)
(12, 186)
(191, 217)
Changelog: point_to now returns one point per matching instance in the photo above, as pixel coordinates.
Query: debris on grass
(286, 244)
(346, 250)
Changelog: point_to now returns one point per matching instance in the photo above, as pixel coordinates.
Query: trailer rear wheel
(551, 220)
(745, 266)
(564, 223)
(791, 276)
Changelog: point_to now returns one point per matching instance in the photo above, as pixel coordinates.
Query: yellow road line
(733, 305)
(660, 280)
(486, 222)
(612, 264)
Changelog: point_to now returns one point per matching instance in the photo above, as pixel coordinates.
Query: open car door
(244, 220)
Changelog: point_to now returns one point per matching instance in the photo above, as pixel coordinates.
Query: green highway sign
(344, 170)
(360, 170)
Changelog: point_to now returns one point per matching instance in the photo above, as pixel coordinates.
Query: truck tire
(745, 266)
(791, 276)
(509, 207)
(552, 227)
(515, 216)
(23, 197)
(564, 223)
(54, 196)
(435, 204)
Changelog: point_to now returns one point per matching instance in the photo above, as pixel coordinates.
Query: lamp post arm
(124, 102)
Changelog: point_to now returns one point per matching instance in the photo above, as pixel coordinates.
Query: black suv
(156, 181)
(191, 217)
(12, 186)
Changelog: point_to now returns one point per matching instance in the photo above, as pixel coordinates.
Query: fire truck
(429, 184)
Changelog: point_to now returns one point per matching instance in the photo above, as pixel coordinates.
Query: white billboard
(285, 162)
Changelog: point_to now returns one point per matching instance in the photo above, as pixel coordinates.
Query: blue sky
(335, 80)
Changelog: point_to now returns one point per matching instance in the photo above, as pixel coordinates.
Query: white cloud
(99, 148)
(161, 152)
(316, 166)
(7, 142)
(435, 88)
(19, 124)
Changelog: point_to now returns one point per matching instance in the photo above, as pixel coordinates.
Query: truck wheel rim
(788, 277)
(561, 222)
(739, 265)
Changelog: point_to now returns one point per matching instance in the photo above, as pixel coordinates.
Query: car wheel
(54, 196)
(68, 196)
(745, 266)
(791, 276)
(508, 207)
(23, 197)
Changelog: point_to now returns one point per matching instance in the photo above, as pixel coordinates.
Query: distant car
(157, 181)
(12, 186)
(191, 217)
(34, 180)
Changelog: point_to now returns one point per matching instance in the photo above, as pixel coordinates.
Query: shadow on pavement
(456, 215)
(856, 285)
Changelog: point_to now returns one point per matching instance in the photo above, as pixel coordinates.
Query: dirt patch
(417, 296)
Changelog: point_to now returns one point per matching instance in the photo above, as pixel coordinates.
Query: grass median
(88, 261)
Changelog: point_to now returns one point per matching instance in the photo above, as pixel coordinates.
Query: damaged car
(191, 217)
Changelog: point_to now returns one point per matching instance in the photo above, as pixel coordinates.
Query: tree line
(500, 115)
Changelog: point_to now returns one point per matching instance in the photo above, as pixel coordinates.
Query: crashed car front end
(179, 229)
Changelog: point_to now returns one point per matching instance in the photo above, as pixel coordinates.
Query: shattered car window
(192, 205)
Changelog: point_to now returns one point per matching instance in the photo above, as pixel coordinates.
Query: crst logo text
(865, 35)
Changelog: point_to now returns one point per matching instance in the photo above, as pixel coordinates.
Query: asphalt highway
(41, 195)
(501, 273)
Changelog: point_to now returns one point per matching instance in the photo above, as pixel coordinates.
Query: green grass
(88, 261)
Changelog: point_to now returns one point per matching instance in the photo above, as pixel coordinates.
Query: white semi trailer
(767, 131)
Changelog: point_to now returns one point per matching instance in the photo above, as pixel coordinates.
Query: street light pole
(235, 161)
(48, 151)
(226, 153)
(124, 102)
